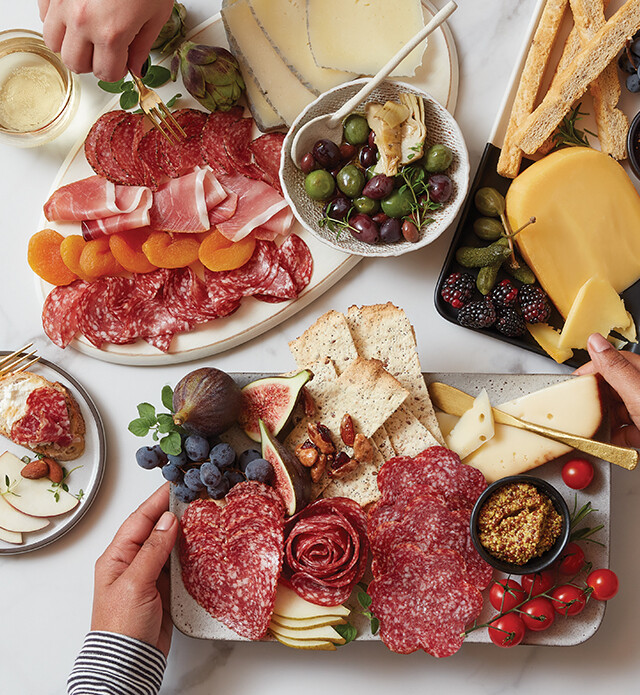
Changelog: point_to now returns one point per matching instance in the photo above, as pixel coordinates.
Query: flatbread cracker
(361, 485)
(384, 332)
(408, 436)
(381, 439)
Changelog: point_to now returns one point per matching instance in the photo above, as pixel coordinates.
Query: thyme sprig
(62, 485)
(568, 134)
(336, 225)
(577, 516)
(417, 183)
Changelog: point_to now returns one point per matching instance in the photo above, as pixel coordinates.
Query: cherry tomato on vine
(604, 583)
(538, 614)
(568, 600)
(537, 583)
(577, 473)
(506, 594)
(507, 631)
(571, 560)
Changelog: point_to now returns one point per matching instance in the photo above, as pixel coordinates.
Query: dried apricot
(126, 248)
(166, 251)
(45, 260)
(97, 260)
(71, 249)
(218, 253)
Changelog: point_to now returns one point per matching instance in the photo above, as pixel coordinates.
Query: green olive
(319, 184)
(488, 228)
(489, 202)
(350, 180)
(356, 129)
(438, 158)
(368, 206)
(398, 203)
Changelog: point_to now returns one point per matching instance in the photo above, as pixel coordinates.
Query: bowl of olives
(354, 197)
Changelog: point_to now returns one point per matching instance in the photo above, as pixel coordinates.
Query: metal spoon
(329, 126)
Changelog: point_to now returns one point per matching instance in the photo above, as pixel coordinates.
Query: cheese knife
(455, 402)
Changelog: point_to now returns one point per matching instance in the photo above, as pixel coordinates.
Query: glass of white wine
(38, 94)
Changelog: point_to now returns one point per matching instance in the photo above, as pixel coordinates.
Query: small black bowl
(633, 145)
(537, 564)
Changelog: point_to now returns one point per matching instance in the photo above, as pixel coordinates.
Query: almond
(35, 470)
(56, 474)
(308, 404)
(347, 432)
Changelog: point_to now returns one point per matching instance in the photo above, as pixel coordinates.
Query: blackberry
(480, 314)
(457, 289)
(510, 323)
(534, 304)
(504, 295)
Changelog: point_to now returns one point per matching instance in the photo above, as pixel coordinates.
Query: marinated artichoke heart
(414, 130)
(386, 120)
(173, 31)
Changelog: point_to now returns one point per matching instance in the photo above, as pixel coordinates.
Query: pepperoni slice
(61, 312)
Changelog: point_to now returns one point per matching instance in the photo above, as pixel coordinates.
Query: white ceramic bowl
(441, 128)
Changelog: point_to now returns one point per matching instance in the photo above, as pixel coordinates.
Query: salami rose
(326, 550)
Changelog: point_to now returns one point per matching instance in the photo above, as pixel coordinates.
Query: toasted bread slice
(14, 391)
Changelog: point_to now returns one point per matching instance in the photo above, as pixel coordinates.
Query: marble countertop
(46, 595)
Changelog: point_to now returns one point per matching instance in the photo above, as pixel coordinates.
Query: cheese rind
(474, 428)
(361, 37)
(587, 219)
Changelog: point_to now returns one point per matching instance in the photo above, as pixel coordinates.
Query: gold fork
(9, 363)
(158, 113)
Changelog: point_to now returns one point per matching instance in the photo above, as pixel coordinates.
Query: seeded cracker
(408, 436)
(384, 332)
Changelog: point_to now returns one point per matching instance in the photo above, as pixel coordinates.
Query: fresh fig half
(272, 400)
(206, 401)
(293, 480)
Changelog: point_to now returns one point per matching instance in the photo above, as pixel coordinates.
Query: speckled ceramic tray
(194, 621)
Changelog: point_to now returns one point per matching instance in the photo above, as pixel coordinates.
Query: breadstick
(592, 59)
(530, 80)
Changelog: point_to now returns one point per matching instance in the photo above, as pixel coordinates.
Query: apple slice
(32, 497)
(13, 520)
(10, 537)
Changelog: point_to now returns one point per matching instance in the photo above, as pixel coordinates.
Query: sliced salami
(149, 285)
(105, 148)
(185, 296)
(61, 313)
(148, 153)
(281, 288)
(237, 138)
(104, 312)
(103, 124)
(266, 151)
(213, 135)
(294, 255)
(179, 159)
(46, 420)
(251, 278)
(152, 319)
(125, 141)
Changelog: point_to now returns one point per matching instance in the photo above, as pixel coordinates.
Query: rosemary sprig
(577, 516)
(568, 134)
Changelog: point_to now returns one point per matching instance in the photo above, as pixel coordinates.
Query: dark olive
(366, 205)
(338, 208)
(364, 229)
(308, 163)
(319, 184)
(379, 187)
(356, 129)
(410, 231)
(347, 151)
(367, 156)
(380, 217)
(398, 204)
(350, 180)
(391, 231)
(327, 154)
(440, 188)
(372, 140)
(489, 202)
(437, 159)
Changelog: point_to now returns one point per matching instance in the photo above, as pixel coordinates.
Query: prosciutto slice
(94, 229)
(257, 203)
(182, 204)
(95, 198)
(224, 210)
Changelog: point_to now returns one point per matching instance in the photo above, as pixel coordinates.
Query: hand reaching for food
(105, 38)
(131, 594)
(621, 370)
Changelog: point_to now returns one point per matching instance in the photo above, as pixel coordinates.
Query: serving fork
(9, 364)
(158, 113)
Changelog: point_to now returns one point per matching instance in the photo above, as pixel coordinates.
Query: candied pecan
(320, 435)
(342, 465)
(347, 432)
(307, 453)
(318, 469)
(362, 449)
(308, 404)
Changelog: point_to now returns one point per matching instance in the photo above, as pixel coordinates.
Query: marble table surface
(45, 596)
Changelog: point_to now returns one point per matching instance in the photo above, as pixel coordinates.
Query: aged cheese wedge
(325, 632)
(10, 537)
(360, 37)
(548, 338)
(265, 116)
(306, 623)
(572, 406)
(474, 428)
(284, 23)
(597, 308)
(294, 607)
(282, 89)
(587, 219)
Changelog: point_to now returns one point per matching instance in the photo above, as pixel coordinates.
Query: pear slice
(10, 537)
(17, 522)
(32, 497)
(289, 605)
(323, 645)
(306, 623)
(313, 633)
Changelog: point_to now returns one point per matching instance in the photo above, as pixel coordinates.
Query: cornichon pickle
(487, 276)
(489, 202)
(488, 228)
(470, 257)
(524, 274)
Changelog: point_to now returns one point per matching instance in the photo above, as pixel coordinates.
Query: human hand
(131, 593)
(103, 37)
(621, 370)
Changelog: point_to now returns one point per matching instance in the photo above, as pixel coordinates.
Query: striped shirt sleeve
(116, 665)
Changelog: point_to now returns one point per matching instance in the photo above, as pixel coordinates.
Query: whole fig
(206, 401)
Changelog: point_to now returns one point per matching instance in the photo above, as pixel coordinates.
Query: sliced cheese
(629, 330)
(587, 219)
(597, 308)
(474, 428)
(282, 89)
(572, 406)
(290, 605)
(265, 116)
(548, 338)
(284, 23)
(361, 36)
(325, 632)
(306, 623)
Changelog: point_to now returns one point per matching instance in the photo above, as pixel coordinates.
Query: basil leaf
(375, 626)
(347, 632)
(139, 428)
(156, 76)
(174, 98)
(112, 87)
(364, 599)
(128, 87)
(167, 397)
(171, 444)
(128, 100)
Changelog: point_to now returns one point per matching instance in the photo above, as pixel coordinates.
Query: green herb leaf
(25, 459)
(375, 625)
(129, 99)
(347, 632)
(167, 397)
(174, 98)
(80, 494)
(364, 599)
(165, 423)
(171, 444)
(112, 87)
(156, 76)
(155, 435)
(128, 87)
(147, 412)
(139, 427)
